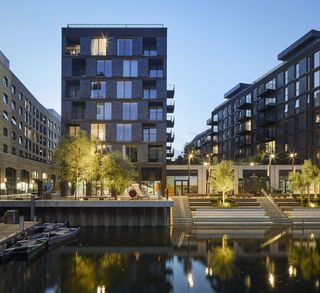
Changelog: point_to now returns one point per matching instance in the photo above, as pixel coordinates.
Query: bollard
(32, 207)
(21, 223)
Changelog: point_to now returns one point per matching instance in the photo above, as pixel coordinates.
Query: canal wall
(139, 213)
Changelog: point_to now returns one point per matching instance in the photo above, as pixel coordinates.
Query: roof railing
(83, 25)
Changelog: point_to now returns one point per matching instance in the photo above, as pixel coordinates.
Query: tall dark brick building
(114, 86)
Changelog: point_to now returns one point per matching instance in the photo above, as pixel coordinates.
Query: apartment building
(114, 87)
(29, 134)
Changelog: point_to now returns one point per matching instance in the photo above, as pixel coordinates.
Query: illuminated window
(99, 46)
(98, 131)
(74, 130)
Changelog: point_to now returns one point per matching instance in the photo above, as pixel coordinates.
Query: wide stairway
(273, 211)
(181, 211)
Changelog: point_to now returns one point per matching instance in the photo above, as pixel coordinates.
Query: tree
(117, 172)
(296, 183)
(75, 158)
(308, 174)
(221, 178)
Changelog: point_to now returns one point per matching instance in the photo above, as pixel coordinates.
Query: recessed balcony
(267, 104)
(170, 107)
(266, 119)
(170, 121)
(170, 136)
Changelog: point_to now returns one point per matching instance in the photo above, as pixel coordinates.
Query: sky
(212, 45)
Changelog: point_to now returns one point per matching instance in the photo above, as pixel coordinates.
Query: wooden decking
(9, 231)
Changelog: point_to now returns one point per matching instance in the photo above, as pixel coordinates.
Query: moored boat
(61, 235)
(4, 253)
(27, 249)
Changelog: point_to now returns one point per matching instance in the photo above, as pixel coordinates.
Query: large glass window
(124, 47)
(130, 152)
(98, 89)
(297, 70)
(149, 133)
(130, 68)
(130, 111)
(155, 154)
(286, 94)
(5, 98)
(124, 89)
(124, 132)
(316, 59)
(104, 111)
(316, 79)
(149, 89)
(73, 130)
(155, 113)
(286, 77)
(98, 131)
(5, 81)
(104, 68)
(297, 88)
(99, 46)
(317, 98)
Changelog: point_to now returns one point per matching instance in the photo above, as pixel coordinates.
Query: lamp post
(271, 157)
(207, 165)
(190, 156)
(292, 157)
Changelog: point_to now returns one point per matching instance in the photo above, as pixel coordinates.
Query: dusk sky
(212, 45)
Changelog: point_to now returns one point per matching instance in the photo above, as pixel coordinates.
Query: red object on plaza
(132, 193)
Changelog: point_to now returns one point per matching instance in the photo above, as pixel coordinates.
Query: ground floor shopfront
(21, 175)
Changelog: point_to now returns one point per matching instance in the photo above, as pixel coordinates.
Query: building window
(99, 47)
(78, 67)
(124, 47)
(124, 132)
(13, 89)
(297, 88)
(316, 101)
(297, 71)
(149, 133)
(130, 68)
(5, 99)
(104, 68)
(271, 84)
(13, 121)
(20, 140)
(149, 89)
(5, 131)
(20, 96)
(155, 113)
(150, 46)
(98, 89)
(286, 77)
(124, 89)
(5, 81)
(20, 126)
(78, 110)
(130, 152)
(5, 148)
(130, 111)
(13, 105)
(155, 154)
(73, 130)
(296, 105)
(286, 94)
(104, 111)
(20, 111)
(13, 135)
(98, 131)
(316, 59)
(285, 109)
(270, 147)
(5, 115)
(316, 79)
(155, 68)
(317, 118)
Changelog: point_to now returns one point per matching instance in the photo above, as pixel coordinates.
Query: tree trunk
(308, 196)
(223, 198)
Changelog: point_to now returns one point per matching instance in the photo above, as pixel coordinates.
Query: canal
(173, 260)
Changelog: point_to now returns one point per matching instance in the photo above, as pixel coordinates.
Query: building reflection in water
(157, 260)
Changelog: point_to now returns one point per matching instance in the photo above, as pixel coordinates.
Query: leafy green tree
(117, 172)
(221, 178)
(75, 159)
(308, 175)
(296, 183)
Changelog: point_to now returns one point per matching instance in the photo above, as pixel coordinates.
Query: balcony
(72, 50)
(170, 121)
(150, 47)
(245, 141)
(170, 154)
(244, 103)
(170, 136)
(243, 115)
(269, 90)
(213, 120)
(266, 119)
(170, 107)
(267, 104)
(267, 134)
(170, 91)
(169, 146)
(242, 128)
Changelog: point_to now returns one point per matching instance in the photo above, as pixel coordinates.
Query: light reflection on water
(160, 260)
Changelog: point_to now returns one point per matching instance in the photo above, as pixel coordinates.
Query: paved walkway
(8, 231)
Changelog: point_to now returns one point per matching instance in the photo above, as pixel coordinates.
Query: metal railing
(84, 25)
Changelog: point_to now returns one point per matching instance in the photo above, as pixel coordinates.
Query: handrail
(275, 205)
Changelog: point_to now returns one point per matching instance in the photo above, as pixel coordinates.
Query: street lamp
(190, 156)
(206, 164)
(271, 157)
(292, 157)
